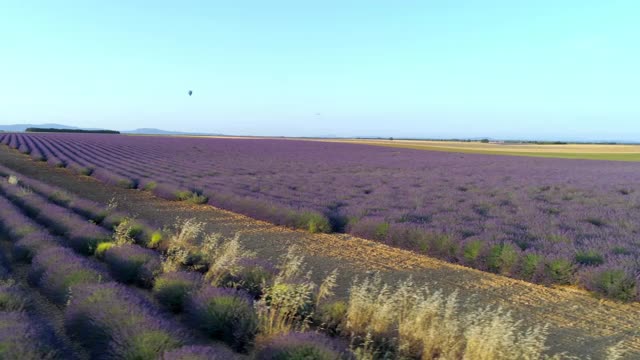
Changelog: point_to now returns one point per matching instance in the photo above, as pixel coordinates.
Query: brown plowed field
(578, 323)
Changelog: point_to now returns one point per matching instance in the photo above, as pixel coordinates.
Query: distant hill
(23, 127)
(141, 131)
(152, 131)
(73, 131)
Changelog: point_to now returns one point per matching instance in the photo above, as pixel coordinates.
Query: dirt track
(578, 323)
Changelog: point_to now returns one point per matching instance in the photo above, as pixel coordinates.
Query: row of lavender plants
(221, 290)
(541, 220)
(23, 335)
(110, 319)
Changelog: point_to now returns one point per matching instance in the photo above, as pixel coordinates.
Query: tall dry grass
(224, 258)
(411, 321)
(289, 302)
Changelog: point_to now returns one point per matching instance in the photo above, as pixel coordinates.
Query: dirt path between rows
(578, 323)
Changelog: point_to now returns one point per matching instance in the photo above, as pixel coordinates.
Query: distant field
(569, 151)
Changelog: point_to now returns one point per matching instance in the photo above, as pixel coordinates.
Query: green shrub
(150, 186)
(501, 258)
(155, 240)
(224, 314)
(312, 222)
(381, 231)
(102, 249)
(619, 250)
(559, 271)
(471, 250)
(331, 316)
(615, 284)
(172, 289)
(589, 258)
(530, 264)
(442, 245)
(191, 196)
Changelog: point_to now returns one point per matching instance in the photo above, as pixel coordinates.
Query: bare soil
(579, 323)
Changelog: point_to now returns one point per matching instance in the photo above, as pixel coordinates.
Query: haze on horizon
(502, 69)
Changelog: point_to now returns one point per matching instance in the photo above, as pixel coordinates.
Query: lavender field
(83, 281)
(542, 220)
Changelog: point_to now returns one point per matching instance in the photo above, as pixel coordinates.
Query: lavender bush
(29, 245)
(58, 270)
(301, 346)
(82, 235)
(12, 298)
(83, 207)
(22, 338)
(114, 323)
(224, 314)
(13, 223)
(530, 218)
(172, 289)
(195, 352)
(133, 264)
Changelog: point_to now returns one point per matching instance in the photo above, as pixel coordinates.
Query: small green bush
(589, 258)
(615, 284)
(471, 250)
(191, 197)
(310, 221)
(381, 231)
(501, 258)
(619, 250)
(156, 238)
(331, 316)
(173, 289)
(559, 271)
(102, 249)
(150, 186)
(442, 245)
(224, 314)
(529, 265)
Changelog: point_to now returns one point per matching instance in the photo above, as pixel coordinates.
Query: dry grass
(223, 257)
(122, 232)
(411, 321)
(13, 180)
(289, 303)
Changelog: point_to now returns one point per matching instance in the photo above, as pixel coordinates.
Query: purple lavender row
(22, 336)
(25, 338)
(81, 234)
(141, 231)
(113, 322)
(28, 236)
(83, 207)
(62, 275)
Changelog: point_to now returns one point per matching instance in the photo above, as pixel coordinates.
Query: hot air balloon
(190, 92)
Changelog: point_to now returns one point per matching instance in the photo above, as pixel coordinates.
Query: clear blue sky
(519, 69)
